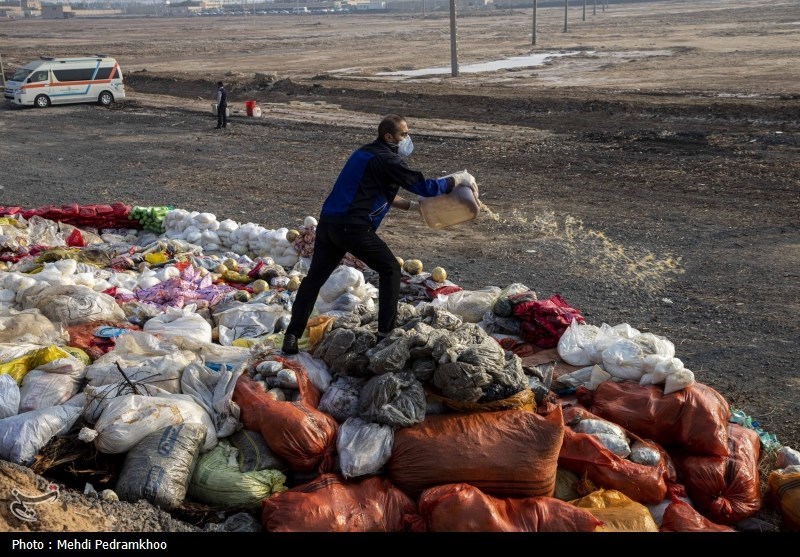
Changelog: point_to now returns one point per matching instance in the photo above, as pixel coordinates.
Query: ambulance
(49, 81)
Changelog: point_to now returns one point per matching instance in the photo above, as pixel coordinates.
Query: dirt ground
(651, 177)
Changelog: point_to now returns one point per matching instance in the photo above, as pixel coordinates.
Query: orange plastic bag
(586, 456)
(725, 489)
(330, 503)
(82, 336)
(694, 419)
(509, 453)
(464, 508)
(682, 517)
(297, 432)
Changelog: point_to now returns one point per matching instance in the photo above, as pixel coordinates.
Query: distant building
(57, 11)
(192, 6)
(413, 5)
(65, 11)
(10, 11)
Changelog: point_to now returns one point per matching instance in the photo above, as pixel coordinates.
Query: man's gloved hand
(466, 179)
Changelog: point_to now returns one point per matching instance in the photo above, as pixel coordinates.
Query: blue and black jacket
(368, 183)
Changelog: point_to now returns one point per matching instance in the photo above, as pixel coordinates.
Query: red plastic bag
(544, 321)
(75, 239)
(443, 290)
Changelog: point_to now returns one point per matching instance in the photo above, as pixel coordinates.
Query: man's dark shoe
(289, 344)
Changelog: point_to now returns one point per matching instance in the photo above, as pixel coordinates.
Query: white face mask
(405, 147)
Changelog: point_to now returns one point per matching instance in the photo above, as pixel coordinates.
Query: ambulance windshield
(20, 75)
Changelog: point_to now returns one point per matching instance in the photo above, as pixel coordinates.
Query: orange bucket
(250, 106)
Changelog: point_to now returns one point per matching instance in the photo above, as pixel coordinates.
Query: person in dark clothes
(222, 106)
(365, 190)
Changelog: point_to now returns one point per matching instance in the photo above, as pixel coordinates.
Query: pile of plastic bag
(484, 410)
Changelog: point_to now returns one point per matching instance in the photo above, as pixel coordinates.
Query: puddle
(514, 62)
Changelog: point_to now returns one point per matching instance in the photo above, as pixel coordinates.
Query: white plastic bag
(214, 392)
(177, 322)
(470, 305)
(344, 290)
(214, 354)
(316, 370)
(129, 419)
(363, 447)
(787, 456)
(24, 435)
(73, 305)
(664, 367)
(51, 384)
(624, 359)
(625, 330)
(344, 279)
(576, 345)
(9, 396)
(678, 380)
(247, 321)
(605, 338)
(13, 351)
(655, 344)
(95, 399)
(145, 359)
(598, 376)
(30, 326)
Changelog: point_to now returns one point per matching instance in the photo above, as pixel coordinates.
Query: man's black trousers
(222, 114)
(332, 242)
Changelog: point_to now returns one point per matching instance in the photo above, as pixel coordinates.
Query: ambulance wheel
(42, 101)
(105, 98)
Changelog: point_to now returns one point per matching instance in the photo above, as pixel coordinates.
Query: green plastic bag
(217, 481)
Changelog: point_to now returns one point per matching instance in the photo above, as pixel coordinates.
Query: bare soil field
(651, 176)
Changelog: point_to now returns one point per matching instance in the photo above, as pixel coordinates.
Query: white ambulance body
(50, 81)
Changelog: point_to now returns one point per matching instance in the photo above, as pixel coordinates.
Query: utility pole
(453, 40)
(566, 9)
(584, 10)
(2, 73)
(594, 7)
(533, 41)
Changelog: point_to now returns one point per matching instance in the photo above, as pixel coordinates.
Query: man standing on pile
(363, 193)
(222, 106)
